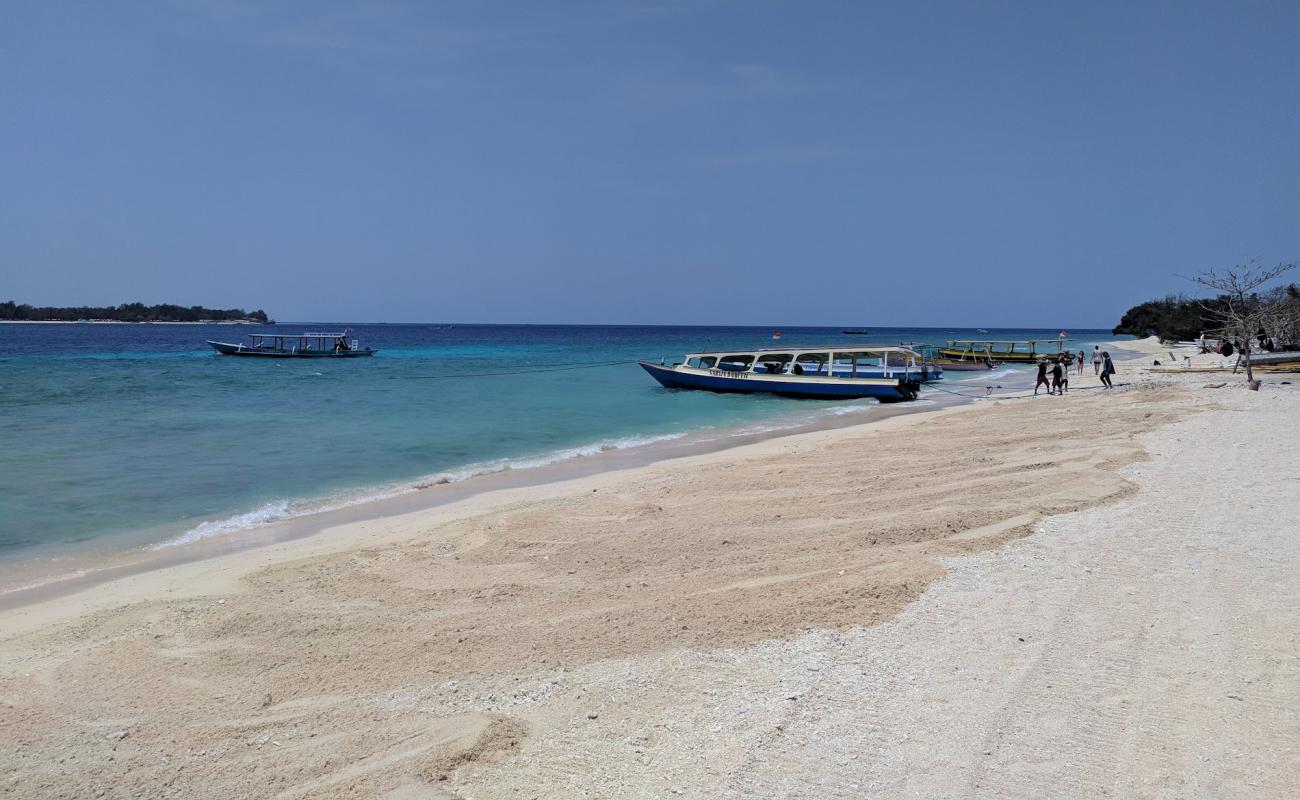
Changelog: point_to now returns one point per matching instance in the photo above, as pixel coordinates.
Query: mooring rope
(988, 395)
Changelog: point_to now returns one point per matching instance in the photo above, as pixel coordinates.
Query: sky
(1043, 164)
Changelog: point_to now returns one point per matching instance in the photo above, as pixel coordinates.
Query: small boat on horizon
(888, 374)
(295, 345)
(856, 332)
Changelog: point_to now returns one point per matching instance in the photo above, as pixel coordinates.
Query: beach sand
(1080, 596)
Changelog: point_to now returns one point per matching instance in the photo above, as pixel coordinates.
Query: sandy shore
(1090, 595)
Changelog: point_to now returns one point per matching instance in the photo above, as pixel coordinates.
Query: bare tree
(1242, 312)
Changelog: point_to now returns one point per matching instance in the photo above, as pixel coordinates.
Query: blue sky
(668, 161)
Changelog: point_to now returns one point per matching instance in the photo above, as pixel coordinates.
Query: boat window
(842, 364)
(737, 363)
(847, 365)
(810, 364)
(702, 362)
(773, 363)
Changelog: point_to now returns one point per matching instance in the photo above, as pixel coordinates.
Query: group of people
(1262, 342)
(1054, 373)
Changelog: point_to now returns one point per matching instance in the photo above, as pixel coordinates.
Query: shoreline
(73, 569)
(67, 569)
(128, 322)
(70, 578)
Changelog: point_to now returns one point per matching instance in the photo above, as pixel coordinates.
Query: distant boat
(1018, 351)
(888, 374)
(776, 334)
(981, 330)
(856, 331)
(291, 345)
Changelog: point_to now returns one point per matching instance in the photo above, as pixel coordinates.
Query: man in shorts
(1042, 377)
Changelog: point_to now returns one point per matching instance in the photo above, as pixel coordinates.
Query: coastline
(65, 572)
(58, 570)
(69, 576)
(127, 322)
(702, 625)
(273, 517)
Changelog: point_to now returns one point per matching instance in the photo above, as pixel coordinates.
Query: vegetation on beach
(127, 312)
(1176, 317)
(1182, 318)
(1243, 314)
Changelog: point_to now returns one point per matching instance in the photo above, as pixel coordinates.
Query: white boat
(883, 372)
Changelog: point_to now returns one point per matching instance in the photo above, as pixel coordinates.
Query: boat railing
(888, 362)
(300, 342)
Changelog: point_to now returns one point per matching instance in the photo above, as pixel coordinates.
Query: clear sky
(667, 161)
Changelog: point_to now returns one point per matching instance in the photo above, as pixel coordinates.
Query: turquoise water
(139, 433)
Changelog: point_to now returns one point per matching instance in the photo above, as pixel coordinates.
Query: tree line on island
(1241, 315)
(1178, 317)
(127, 312)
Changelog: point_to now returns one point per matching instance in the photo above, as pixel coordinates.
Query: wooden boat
(1259, 362)
(974, 363)
(964, 364)
(1025, 351)
(888, 374)
(295, 345)
(1276, 360)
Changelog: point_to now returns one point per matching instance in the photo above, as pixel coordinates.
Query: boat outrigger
(295, 345)
(1025, 351)
(886, 373)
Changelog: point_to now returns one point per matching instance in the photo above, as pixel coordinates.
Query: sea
(138, 436)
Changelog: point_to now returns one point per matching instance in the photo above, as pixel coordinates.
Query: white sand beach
(1080, 596)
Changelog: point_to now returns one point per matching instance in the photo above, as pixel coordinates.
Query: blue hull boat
(888, 374)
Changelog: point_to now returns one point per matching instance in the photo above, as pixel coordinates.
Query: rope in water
(1014, 389)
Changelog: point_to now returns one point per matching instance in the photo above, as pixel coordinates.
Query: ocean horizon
(136, 435)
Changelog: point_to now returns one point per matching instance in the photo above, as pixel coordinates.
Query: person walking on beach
(1096, 359)
(1057, 375)
(1042, 377)
(1064, 366)
(1080, 365)
(1107, 369)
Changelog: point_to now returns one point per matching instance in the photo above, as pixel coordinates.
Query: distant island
(127, 312)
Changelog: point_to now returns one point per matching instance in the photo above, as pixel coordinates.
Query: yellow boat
(1025, 351)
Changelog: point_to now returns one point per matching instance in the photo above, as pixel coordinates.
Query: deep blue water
(115, 429)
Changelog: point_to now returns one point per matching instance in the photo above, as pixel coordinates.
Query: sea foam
(286, 509)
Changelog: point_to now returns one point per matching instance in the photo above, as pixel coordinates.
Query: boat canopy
(826, 361)
(300, 341)
(1008, 341)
